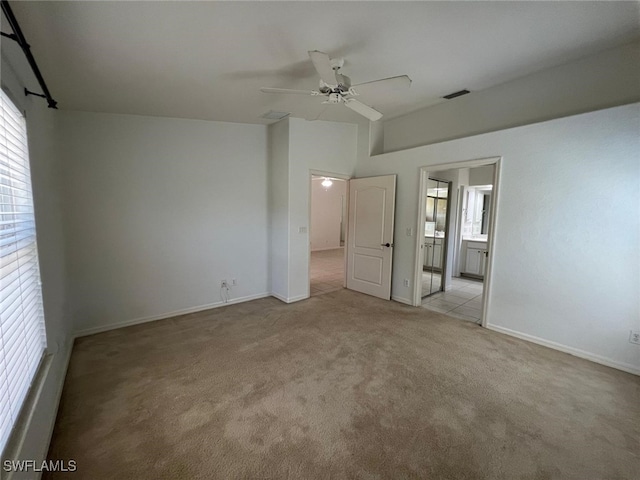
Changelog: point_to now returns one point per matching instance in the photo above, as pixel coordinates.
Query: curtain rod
(18, 37)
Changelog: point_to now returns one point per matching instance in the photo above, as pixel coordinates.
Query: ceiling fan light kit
(337, 87)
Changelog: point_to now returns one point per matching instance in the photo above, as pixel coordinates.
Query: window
(22, 334)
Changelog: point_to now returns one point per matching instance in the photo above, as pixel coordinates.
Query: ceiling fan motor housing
(343, 85)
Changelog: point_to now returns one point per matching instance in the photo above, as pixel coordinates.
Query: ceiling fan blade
(364, 110)
(380, 86)
(288, 91)
(323, 66)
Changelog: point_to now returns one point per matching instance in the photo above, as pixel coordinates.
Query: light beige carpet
(339, 386)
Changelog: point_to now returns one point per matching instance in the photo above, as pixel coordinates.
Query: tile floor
(464, 300)
(327, 271)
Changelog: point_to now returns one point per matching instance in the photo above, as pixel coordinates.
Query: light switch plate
(302, 229)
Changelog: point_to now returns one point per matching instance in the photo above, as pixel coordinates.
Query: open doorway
(459, 256)
(328, 224)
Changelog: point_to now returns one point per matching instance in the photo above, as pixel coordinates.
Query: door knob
(386, 244)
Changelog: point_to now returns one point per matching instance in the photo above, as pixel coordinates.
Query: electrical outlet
(409, 231)
(234, 282)
(223, 283)
(634, 337)
(406, 282)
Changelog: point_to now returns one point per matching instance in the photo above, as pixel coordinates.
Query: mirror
(479, 202)
(437, 206)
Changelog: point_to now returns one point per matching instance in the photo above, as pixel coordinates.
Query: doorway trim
(346, 178)
(419, 242)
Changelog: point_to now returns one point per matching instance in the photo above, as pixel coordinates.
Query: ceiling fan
(337, 87)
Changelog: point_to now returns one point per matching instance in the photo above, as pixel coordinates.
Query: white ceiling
(208, 60)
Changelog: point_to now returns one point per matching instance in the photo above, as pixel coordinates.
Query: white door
(370, 241)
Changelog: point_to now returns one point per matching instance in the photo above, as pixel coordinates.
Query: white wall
(158, 212)
(328, 147)
(604, 80)
(313, 147)
(326, 213)
(31, 437)
(566, 251)
(279, 208)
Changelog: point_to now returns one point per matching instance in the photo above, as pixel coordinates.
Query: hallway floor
(463, 301)
(327, 271)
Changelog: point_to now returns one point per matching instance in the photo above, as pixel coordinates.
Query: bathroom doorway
(456, 225)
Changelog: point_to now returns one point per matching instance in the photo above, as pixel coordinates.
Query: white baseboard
(406, 301)
(128, 323)
(279, 297)
(298, 298)
(625, 367)
(327, 248)
(289, 300)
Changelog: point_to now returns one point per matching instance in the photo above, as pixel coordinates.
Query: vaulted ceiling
(208, 60)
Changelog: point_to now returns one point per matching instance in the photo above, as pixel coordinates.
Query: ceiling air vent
(271, 115)
(456, 94)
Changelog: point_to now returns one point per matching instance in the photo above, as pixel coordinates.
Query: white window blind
(22, 334)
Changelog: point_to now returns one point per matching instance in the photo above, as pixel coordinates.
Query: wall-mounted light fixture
(326, 183)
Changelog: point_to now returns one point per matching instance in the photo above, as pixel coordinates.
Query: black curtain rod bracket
(18, 36)
(29, 92)
(12, 36)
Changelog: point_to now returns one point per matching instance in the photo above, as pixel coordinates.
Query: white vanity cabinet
(433, 252)
(474, 254)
